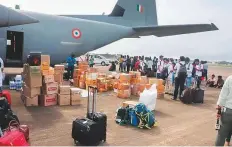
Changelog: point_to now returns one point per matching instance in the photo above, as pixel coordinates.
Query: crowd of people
(177, 73)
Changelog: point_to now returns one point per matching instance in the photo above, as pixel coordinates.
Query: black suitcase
(90, 131)
(6, 114)
(187, 96)
(198, 96)
(34, 59)
(85, 132)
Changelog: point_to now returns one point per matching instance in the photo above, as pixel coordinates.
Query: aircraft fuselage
(55, 35)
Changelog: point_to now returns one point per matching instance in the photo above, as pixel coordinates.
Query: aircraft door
(14, 46)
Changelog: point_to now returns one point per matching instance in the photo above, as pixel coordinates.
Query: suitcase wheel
(75, 142)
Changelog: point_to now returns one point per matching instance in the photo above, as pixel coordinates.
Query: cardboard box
(59, 68)
(48, 100)
(33, 80)
(75, 91)
(64, 90)
(30, 101)
(64, 100)
(48, 79)
(129, 103)
(75, 96)
(50, 88)
(75, 102)
(34, 70)
(58, 78)
(31, 92)
(45, 58)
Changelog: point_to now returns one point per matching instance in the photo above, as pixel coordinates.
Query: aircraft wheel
(103, 63)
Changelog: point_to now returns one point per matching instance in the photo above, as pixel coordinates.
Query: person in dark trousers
(71, 62)
(198, 72)
(128, 63)
(180, 77)
(224, 104)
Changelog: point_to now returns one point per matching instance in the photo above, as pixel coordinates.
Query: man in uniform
(225, 104)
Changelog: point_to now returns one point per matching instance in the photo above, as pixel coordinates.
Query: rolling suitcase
(97, 117)
(198, 95)
(90, 132)
(187, 96)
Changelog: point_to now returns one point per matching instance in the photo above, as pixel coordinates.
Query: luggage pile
(192, 95)
(43, 85)
(11, 132)
(138, 116)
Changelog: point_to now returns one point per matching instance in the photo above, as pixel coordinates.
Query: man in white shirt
(169, 80)
(189, 68)
(149, 66)
(225, 103)
(1, 73)
(180, 77)
(160, 66)
(199, 69)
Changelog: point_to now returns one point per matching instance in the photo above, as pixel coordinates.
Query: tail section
(136, 12)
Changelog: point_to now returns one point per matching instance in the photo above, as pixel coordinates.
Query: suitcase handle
(13, 123)
(94, 90)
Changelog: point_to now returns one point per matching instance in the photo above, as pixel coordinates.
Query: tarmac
(178, 124)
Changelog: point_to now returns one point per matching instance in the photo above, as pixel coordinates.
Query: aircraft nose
(10, 17)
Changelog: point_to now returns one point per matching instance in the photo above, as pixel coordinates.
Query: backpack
(182, 71)
(122, 117)
(134, 120)
(145, 116)
(164, 73)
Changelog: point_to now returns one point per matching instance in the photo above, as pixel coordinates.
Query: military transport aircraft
(22, 32)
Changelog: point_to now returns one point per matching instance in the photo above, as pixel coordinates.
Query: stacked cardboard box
(49, 91)
(75, 96)
(91, 77)
(124, 89)
(135, 85)
(32, 83)
(102, 84)
(79, 75)
(45, 65)
(58, 73)
(64, 97)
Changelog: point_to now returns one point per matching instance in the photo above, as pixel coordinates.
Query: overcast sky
(215, 45)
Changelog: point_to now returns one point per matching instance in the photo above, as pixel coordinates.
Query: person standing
(149, 67)
(181, 74)
(124, 64)
(169, 80)
(91, 61)
(160, 66)
(1, 73)
(225, 104)
(128, 64)
(205, 68)
(189, 68)
(71, 63)
(199, 69)
(120, 63)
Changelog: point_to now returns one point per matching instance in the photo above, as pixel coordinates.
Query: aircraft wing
(171, 30)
